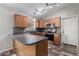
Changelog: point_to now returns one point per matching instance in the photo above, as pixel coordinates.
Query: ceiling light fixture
(42, 10)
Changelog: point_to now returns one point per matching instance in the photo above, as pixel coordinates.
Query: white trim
(69, 17)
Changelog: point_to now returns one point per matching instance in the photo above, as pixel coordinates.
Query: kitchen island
(30, 45)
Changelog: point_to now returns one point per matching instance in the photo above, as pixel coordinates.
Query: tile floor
(53, 50)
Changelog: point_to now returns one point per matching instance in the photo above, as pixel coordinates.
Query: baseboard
(70, 44)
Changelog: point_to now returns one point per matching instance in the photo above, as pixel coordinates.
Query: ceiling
(29, 8)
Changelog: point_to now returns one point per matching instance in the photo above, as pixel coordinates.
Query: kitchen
(34, 37)
(21, 24)
(41, 28)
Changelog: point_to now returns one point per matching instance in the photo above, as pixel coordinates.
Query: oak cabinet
(43, 23)
(40, 24)
(57, 40)
(57, 36)
(20, 21)
(38, 49)
(24, 50)
(56, 21)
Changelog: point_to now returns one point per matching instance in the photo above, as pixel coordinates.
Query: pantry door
(70, 30)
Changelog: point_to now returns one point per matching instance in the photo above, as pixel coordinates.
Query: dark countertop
(29, 39)
(22, 32)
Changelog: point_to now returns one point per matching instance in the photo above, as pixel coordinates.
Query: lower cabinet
(57, 40)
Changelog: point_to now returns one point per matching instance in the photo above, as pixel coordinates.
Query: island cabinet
(30, 45)
(20, 21)
(38, 49)
(24, 50)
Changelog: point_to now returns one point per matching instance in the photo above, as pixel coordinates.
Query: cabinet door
(41, 24)
(56, 21)
(57, 39)
(24, 50)
(20, 21)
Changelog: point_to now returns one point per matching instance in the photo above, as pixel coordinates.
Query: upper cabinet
(43, 23)
(56, 21)
(20, 21)
(40, 24)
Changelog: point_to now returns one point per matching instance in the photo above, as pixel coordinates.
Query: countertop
(29, 39)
